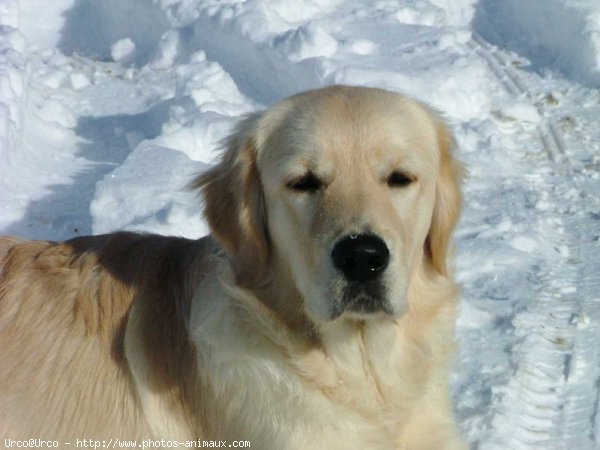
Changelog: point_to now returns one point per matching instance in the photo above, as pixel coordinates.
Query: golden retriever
(319, 314)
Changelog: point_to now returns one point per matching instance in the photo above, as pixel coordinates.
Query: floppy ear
(448, 202)
(234, 203)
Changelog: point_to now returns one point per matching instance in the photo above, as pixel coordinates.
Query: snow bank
(553, 34)
(126, 199)
(11, 75)
(14, 74)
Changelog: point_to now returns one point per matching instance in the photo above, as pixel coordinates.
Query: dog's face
(351, 189)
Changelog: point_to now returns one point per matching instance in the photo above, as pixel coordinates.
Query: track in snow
(551, 401)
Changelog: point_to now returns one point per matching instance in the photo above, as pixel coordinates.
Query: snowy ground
(108, 106)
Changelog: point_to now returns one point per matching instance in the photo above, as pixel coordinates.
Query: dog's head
(350, 190)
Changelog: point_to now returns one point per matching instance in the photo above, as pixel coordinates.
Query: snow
(563, 35)
(108, 107)
(122, 50)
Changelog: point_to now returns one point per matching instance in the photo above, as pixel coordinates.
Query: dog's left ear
(234, 203)
(448, 202)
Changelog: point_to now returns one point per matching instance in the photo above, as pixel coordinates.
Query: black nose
(361, 257)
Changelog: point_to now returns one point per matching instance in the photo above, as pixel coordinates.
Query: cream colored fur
(230, 337)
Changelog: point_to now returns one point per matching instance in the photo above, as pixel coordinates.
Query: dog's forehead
(328, 128)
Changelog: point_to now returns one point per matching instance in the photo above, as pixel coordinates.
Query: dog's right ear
(234, 203)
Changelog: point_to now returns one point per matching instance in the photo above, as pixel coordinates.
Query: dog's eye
(306, 183)
(399, 179)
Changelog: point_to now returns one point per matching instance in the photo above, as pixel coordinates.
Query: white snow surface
(107, 108)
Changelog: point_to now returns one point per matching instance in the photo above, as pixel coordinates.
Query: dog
(319, 314)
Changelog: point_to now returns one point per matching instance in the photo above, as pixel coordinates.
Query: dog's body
(319, 316)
